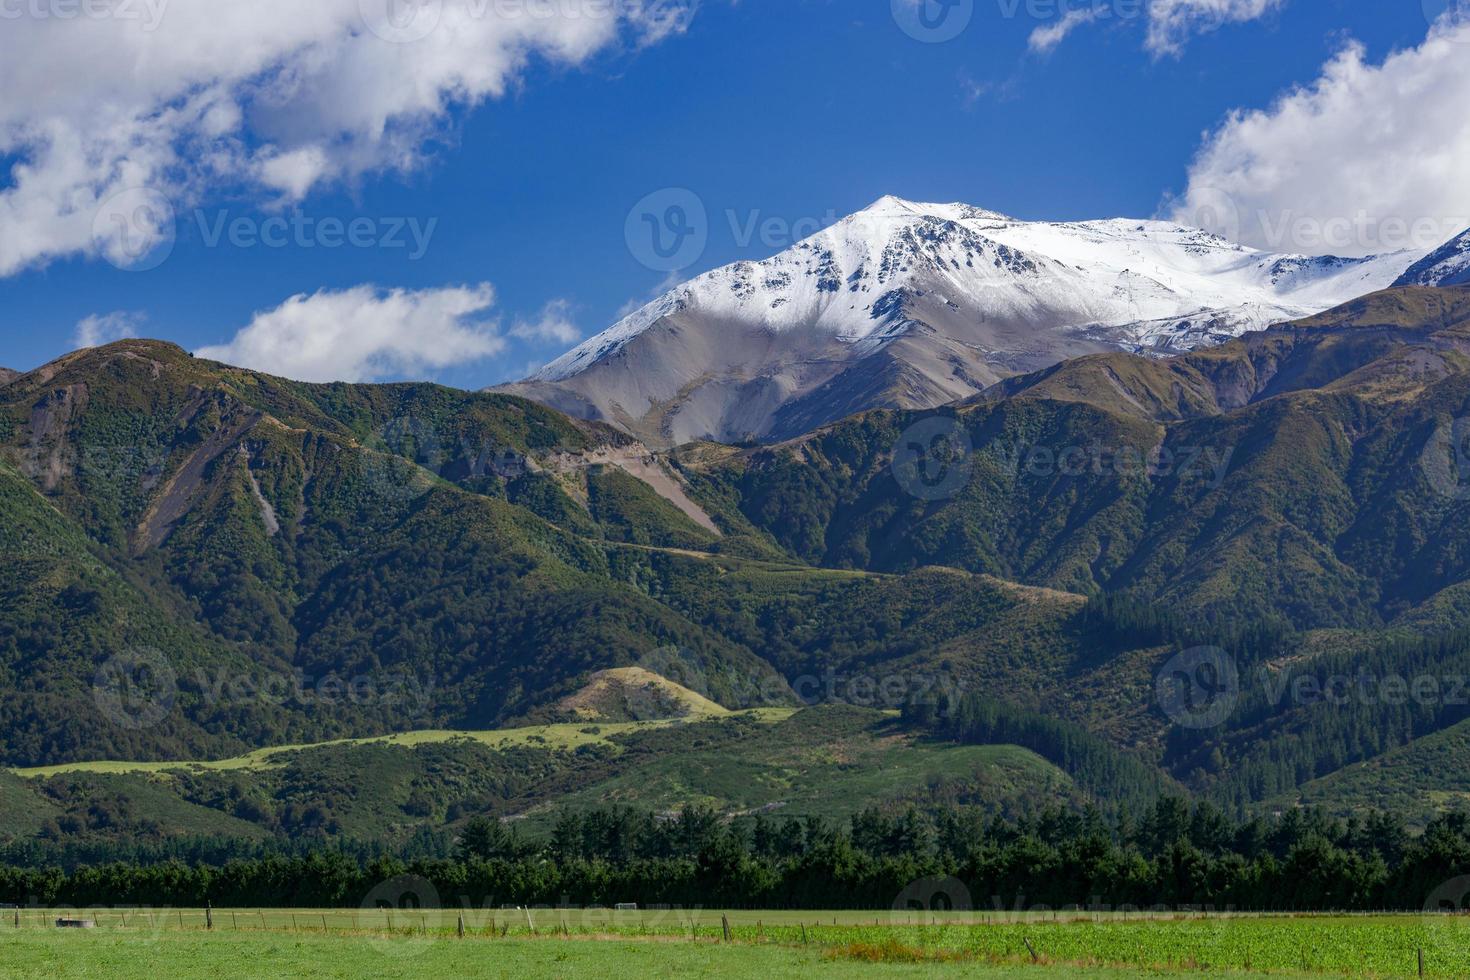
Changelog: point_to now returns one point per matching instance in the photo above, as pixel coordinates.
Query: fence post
(461, 927)
(1421, 961)
(208, 915)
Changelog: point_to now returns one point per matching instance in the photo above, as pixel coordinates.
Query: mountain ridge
(1448, 265)
(1300, 510)
(907, 305)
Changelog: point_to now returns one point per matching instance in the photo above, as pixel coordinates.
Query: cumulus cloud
(1368, 158)
(184, 97)
(554, 323)
(104, 328)
(1045, 39)
(1171, 23)
(367, 334)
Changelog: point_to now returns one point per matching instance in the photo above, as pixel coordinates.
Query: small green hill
(829, 761)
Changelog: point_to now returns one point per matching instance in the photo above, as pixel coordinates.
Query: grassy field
(565, 736)
(564, 943)
(309, 957)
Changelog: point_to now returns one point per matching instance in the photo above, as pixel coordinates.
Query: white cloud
(1045, 39)
(554, 323)
(1173, 22)
(94, 331)
(1368, 158)
(188, 96)
(367, 334)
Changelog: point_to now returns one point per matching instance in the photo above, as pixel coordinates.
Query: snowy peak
(897, 207)
(909, 304)
(1448, 265)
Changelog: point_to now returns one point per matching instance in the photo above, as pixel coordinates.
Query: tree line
(1172, 854)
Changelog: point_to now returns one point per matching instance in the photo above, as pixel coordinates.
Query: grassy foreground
(182, 955)
(571, 944)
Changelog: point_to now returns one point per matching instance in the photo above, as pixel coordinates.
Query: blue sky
(795, 111)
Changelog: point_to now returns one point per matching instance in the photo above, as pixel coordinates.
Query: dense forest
(1172, 854)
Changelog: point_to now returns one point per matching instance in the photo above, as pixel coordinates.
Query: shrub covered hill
(467, 559)
(1016, 569)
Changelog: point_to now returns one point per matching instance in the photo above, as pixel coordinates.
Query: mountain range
(908, 305)
(202, 561)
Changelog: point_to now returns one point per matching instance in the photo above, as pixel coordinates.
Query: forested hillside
(201, 561)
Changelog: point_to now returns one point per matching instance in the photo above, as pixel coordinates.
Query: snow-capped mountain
(1448, 265)
(915, 305)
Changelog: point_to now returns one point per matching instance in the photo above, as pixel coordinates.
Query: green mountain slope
(265, 539)
(1282, 475)
(1418, 781)
(201, 561)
